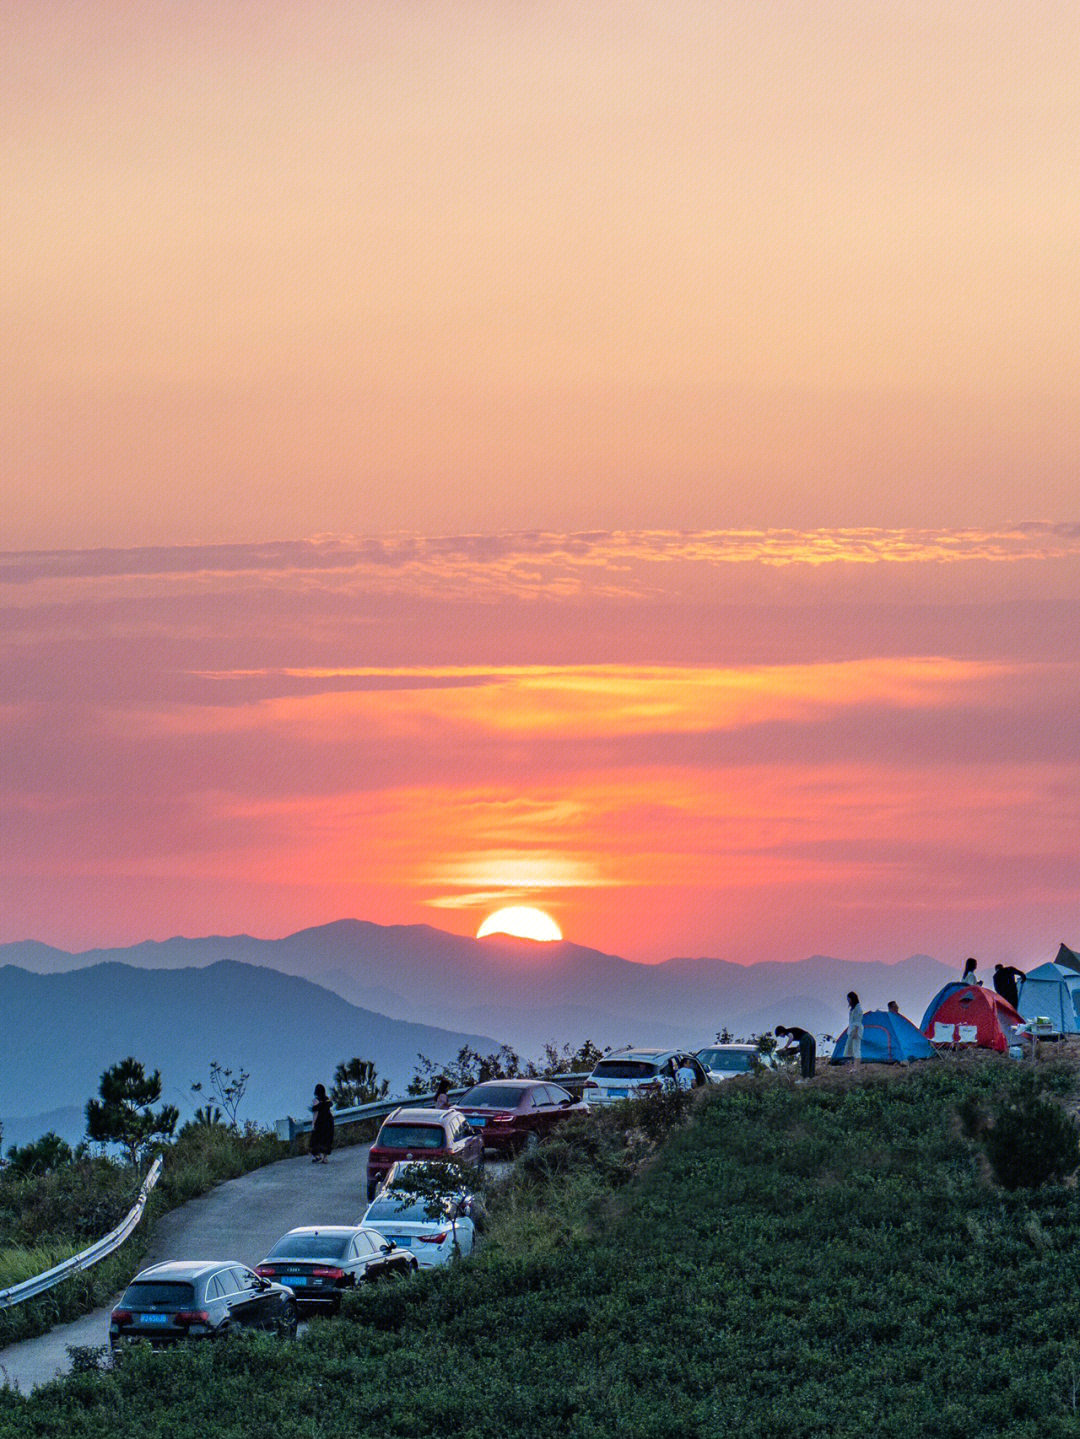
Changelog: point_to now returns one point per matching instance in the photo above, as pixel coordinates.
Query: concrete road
(240, 1219)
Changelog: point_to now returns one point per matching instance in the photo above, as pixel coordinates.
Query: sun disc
(520, 920)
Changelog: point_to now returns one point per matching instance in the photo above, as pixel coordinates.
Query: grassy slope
(828, 1260)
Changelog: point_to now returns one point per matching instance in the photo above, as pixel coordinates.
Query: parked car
(635, 1073)
(725, 1061)
(319, 1262)
(514, 1114)
(199, 1299)
(404, 1221)
(422, 1134)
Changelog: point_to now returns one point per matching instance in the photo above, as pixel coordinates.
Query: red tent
(979, 1016)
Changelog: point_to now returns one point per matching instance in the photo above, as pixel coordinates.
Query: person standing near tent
(1006, 979)
(807, 1045)
(970, 974)
(854, 1028)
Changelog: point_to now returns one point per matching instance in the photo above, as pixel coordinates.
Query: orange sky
(618, 456)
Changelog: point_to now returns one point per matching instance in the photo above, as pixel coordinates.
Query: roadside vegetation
(56, 1200)
(829, 1259)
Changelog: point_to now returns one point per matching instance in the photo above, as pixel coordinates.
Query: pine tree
(124, 1114)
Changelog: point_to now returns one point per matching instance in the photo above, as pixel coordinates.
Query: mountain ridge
(527, 993)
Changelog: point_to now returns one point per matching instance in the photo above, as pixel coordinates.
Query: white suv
(634, 1073)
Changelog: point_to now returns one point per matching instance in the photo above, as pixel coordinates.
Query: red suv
(422, 1134)
(513, 1114)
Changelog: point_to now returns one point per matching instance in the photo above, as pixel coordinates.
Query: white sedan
(407, 1221)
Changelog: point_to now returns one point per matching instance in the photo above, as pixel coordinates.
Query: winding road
(240, 1219)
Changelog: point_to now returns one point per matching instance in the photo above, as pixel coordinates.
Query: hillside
(61, 1030)
(527, 993)
(713, 1291)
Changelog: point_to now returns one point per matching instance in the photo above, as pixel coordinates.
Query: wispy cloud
(526, 562)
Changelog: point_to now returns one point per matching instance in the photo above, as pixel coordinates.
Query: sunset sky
(620, 458)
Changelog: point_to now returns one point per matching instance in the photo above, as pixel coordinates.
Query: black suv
(199, 1299)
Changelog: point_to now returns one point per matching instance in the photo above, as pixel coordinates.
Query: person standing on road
(807, 1046)
(1006, 979)
(854, 1028)
(322, 1127)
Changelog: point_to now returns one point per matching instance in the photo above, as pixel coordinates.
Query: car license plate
(154, 1318)
(294, 1279)
(477, 1121)
(404, 1241)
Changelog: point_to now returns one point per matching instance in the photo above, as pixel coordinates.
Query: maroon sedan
(422, 1134)
(514, 1114)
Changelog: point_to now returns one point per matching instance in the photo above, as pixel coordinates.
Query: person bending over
(806, 1044)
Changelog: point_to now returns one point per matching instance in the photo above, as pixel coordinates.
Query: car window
(738, 1061)
(624, 1069)
(225, 1282)
(244, 1279)
(559, 1095)
(214, 1289)
(491, 1096)
(411, 1136)
(364, 1244)
(142, 1293)
(309, 1246)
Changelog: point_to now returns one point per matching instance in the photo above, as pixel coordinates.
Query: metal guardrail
(29, 1288)
(289, 1128)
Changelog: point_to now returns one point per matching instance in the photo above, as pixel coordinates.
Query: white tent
(1052, 992)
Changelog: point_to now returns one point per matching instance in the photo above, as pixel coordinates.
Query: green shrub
(1031, 1140)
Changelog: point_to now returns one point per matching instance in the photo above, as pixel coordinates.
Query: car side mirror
(262, 1283)
(386, 1248)
(565, 1103)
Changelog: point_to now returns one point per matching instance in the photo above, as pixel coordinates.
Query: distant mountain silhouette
(60, 1031)
(526, 992)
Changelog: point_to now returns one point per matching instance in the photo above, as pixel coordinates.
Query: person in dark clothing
(322, 1127)
(1006, 979)
(807, 1046)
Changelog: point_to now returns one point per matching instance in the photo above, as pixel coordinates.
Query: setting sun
(522, 921)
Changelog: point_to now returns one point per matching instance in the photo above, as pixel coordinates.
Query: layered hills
(62, 1030)
(289, 1009)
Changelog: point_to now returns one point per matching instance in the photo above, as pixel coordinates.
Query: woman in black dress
(322, 1127)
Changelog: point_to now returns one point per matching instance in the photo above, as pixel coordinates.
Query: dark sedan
(199, 1299)
(319, 1263)
(514, 1114)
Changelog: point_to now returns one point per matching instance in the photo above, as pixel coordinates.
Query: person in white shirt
(970, 975)
(854, 1029)
(685, 1077)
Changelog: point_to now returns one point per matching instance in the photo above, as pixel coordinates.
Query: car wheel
(287, 1322)
(531, 1143)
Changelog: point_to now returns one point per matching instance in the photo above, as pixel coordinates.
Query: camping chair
(967, 1033)
(943, 1036)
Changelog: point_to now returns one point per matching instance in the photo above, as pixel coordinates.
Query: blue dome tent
(887, 1039)
(1052, 992)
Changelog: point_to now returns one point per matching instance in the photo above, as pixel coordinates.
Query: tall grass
(17, 1263)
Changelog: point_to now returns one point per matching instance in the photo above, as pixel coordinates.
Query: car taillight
(266, 1270)
(321, 1272)
(192, 1316)
(121, 1316)
(432, 1238)
(502, 1119)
